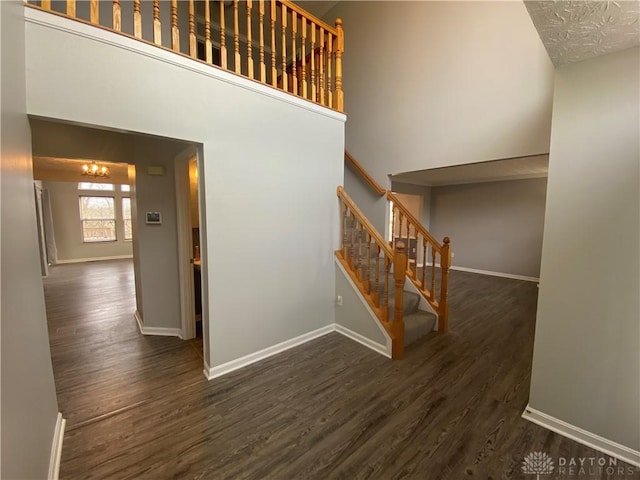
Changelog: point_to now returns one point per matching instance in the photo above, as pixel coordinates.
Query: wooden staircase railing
(285, 38)
(419, 245)
(422, 245)
(369, 259)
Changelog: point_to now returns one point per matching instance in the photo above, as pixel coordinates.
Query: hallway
(139, 407)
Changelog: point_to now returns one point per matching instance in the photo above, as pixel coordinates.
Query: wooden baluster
(312, 50)
(433, 273)
(95, 12)
(71, 8)
(359, 263)
(400, 221)
(208, 46)
(344, 232)
(397, 327)
(393, 225)
(445, 263)
(408, 242)
(294, 50)
(339, 95)
(424, 263)
(236, 39)
(321, 69)
(385, 302)
(45, 4)
(303, 55)
(249, 40)
(283, 19)
(193, 51)
(175, 32)
(351, 241)
(263, 67)
(367, 272)
(157, 26)
(223, 38)
(376, 286)
(117, 16)
(274, 71)
(329, 62)
(137, 19)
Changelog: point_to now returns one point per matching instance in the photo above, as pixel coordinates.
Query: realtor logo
(537, 463)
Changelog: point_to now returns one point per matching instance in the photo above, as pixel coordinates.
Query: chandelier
(95, 170)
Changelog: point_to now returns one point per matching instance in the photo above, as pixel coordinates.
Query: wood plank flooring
(139, 407)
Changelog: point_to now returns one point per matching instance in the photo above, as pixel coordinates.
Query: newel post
(445, 263)
(339, 97)
(399, 271)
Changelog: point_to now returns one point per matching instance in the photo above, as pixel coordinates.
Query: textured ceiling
(574, 31)
(536, 166)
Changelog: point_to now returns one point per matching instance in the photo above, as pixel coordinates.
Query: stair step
(417, 325)
(411, 302)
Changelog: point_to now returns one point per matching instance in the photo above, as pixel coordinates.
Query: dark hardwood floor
(139, 407)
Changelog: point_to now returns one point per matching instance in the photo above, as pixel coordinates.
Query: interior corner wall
(422, 190)
(28, 402)
(159, 302)
(458, 93)
(585, 362)
(68, 226)
(493, 226)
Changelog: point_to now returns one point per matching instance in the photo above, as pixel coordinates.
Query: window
(96, 186)
(126, 216)
(98, 217)
(125, 188)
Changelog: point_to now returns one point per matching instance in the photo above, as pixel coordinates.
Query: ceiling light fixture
(95, 170)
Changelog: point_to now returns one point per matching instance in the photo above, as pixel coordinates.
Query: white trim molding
(228, 367)
(584, 437)
(35, 16)
(362, 340)
(493, 274)
(95, 259)
(159, 331)
(56, 448)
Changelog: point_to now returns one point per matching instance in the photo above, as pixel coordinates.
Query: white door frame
(185, 243)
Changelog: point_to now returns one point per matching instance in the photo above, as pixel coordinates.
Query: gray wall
(353, 313)
(493, 226)
(269, 263)
(455, 93)
(68, 227)
(585, 362)
(372, 205)
(407, 188)
(29, 406)
(158, 300)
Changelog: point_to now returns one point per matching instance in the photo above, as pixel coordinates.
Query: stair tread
(417, 325)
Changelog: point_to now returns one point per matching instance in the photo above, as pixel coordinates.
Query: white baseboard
(361, 339)
(584, 437)
(219, 370)
(56, 448)
(94, 259)
(493, 274)
(159, 331)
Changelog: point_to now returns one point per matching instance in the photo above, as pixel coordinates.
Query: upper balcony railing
(274, 42)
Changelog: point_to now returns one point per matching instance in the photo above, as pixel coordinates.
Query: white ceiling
(577, 30)
(536, 166)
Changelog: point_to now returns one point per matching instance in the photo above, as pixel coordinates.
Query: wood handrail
(364, 174)
(321, 85)
(312, 18)
(416, 223)
(384, 245)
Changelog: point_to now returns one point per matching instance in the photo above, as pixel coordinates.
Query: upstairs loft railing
(432, 279)
(274, 42)
(377, 270)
